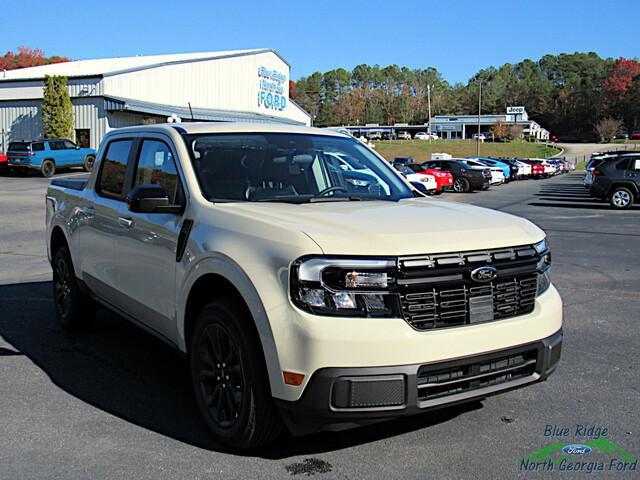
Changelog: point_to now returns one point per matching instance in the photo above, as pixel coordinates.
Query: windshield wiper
(335, 199)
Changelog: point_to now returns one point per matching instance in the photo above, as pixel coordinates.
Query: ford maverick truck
(298, 300)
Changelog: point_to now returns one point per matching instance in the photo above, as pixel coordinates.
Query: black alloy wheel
(220, 375)
(461, 185)
(48, 168)
(73, 307)
(229, 376)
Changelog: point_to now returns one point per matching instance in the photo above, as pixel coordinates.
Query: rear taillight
(596, 172)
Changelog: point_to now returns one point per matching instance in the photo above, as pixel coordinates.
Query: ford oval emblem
(576, 449)
(484, 274)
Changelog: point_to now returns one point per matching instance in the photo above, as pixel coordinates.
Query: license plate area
(481, 309)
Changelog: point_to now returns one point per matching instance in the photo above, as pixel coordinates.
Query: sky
(456, 37)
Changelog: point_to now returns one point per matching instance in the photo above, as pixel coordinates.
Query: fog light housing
(544, 282)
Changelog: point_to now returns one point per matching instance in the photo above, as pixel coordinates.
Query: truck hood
(411, 226)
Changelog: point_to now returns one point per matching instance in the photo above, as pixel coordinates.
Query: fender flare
(231, 271)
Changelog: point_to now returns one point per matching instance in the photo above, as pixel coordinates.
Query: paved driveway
(112, 402)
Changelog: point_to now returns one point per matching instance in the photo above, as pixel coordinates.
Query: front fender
(230, 270)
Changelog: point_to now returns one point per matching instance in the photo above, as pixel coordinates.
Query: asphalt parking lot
(112, 402)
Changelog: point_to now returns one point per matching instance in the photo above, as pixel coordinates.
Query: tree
(621, 75)
(57, 109)
(516, 132)
(607, 128)
(27, 57)
(500, 131)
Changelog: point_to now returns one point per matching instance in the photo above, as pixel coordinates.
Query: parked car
(635, 136)
(516, 169)
(479, 136)
(47, 156)
(617, 180)
(294, 301)
(561, 166)
(621, 136)
(3, 163)
(444, 179)
(525, 170)
(402, 161)
(492, 162)
(591, 165)
(404, 136)
(374, 135)
(537, 170)
(495, 174)
(415, 173)
(388, 136)
(465, 179)
(425, 136)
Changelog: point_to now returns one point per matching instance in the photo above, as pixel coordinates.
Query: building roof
(113, 66)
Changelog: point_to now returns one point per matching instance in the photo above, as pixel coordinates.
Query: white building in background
(239, 85)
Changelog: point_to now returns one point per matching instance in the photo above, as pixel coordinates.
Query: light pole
(479, 109)
(429, 107)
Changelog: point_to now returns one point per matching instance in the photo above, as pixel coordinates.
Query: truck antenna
(191, 111)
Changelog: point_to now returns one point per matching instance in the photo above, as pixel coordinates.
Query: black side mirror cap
(150, 198)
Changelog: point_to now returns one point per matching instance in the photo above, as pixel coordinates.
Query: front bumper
(340, 398)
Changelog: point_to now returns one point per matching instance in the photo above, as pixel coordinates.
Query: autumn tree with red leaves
(27, 57)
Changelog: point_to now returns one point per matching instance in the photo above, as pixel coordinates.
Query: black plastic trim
(315, 412)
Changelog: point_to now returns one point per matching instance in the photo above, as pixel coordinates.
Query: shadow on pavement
(603, 206)
(116, 367)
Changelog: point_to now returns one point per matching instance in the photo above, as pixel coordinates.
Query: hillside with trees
(567, 93)
(27, 57)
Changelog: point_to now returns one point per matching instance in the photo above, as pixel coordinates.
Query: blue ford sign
(577, 449)
(271, 93)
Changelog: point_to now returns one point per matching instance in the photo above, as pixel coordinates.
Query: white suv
(298, 299)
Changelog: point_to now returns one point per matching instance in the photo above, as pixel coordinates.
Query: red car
(537, 170)
(444, 180)
(3, 162)
(635, 136)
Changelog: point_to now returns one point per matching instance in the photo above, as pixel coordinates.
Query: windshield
(297, 168)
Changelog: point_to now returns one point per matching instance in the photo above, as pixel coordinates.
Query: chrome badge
(484, 274)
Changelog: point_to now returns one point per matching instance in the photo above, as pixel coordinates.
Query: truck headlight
(543, 267)
(344, 287)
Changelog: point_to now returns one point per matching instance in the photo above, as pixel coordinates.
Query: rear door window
(56, 144)
(19, 146)
(37, 147)
(113, 169)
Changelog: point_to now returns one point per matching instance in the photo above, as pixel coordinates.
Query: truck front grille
(462, 304)
(438, 291)
(436, 381)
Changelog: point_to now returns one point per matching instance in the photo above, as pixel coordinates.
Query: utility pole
(479, 109)
(429, 104)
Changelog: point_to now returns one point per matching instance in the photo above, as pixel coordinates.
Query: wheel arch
(625, 184)
(217, 278)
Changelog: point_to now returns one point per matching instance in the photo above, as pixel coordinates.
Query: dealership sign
(515, 110)
(271, 92)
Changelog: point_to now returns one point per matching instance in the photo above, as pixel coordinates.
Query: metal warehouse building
(241, 85)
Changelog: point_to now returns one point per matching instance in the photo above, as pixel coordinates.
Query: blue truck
(48, 155)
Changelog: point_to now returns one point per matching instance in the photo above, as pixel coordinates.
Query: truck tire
(230, 379)
(461, 185)
(73, 308)
(48, 168)
(621, 198)
(88, 162)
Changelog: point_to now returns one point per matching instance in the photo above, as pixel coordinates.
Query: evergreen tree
(57, 109)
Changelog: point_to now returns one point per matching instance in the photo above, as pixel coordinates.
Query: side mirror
(150, 198)
(420, 187)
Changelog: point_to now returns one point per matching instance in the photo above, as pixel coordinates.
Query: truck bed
(78, 184)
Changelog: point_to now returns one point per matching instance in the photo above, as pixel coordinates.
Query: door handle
(125, 222)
